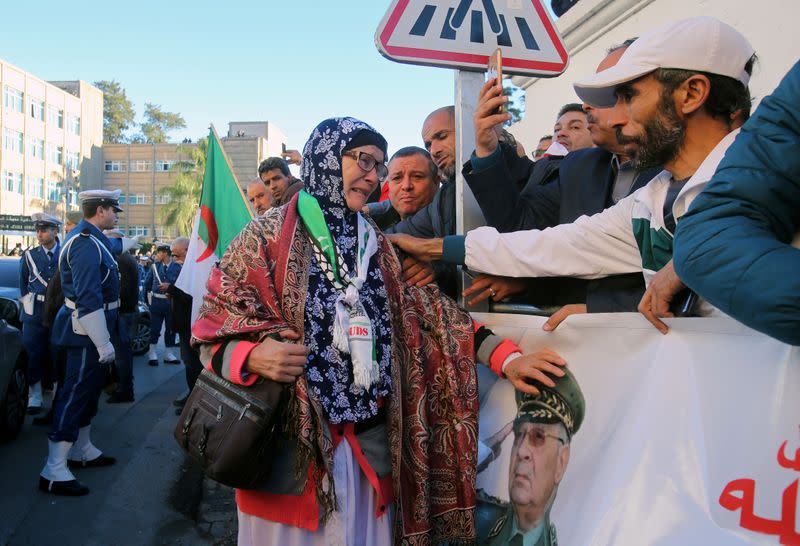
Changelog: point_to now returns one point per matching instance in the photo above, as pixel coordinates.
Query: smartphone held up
(494, 70)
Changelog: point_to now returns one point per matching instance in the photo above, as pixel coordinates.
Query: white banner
(689, 438)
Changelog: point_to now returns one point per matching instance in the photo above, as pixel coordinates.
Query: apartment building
(52, 133)
(250, 142)
(141, 171)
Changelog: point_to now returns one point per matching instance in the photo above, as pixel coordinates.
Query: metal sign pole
(468, 213)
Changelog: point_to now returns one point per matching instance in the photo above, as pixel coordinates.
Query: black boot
(72, 488)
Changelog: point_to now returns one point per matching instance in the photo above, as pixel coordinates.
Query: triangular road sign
(463, 33)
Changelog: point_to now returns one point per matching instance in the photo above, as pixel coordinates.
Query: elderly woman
(383, 400)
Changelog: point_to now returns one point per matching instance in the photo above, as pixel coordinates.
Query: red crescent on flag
(213, 233)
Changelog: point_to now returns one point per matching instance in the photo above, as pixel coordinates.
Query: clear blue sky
(292, 63)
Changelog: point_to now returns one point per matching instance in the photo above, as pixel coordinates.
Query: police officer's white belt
(162, 296)
(106, 306)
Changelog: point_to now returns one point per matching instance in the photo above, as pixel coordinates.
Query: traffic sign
(463, 33)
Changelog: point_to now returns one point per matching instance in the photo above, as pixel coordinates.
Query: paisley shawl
(259, 288)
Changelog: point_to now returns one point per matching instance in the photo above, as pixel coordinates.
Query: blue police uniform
(90, 282)
(160, 309)
(36, 268)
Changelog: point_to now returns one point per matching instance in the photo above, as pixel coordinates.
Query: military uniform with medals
(496, 522)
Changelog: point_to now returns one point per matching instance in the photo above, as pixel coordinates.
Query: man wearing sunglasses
(543, 428)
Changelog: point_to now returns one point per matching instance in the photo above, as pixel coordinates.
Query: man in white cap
(85, 325)
(36, 267)
(677, 94)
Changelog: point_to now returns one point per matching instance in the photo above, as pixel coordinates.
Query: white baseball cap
(704, 44)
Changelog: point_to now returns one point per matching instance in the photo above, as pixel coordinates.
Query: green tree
(118, 111)
(158, 123)
(184, 195)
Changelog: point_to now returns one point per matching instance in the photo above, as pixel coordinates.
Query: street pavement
(153, 495)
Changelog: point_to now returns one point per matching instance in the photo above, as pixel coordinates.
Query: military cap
(42, 220)
(101, 197)
(563, 403)
(160, 245)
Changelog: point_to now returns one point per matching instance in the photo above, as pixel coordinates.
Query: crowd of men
(588, 224)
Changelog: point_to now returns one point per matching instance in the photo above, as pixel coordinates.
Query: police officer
(543, 429)
(161, 273)
(36, 267)
(84, 327)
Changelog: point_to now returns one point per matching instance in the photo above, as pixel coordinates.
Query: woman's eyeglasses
(366, 162)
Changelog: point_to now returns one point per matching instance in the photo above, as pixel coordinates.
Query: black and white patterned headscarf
(329, 371)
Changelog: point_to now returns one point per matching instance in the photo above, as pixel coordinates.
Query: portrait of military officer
(542, 430)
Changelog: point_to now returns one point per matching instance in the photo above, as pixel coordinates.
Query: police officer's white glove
(95, 325)
(106, 352)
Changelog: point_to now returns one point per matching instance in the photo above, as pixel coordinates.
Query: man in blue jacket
(36, 267)
(85, 326)
(734, 246)
(163, 271)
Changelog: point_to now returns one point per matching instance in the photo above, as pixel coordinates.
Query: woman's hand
(278, 360)
(524, 370)
(417, 273)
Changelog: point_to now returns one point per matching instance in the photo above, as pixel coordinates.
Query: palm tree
(183, 196)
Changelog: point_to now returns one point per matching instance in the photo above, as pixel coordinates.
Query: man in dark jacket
(182, 323)
(438, 219)
(738, 246)
(412, 181)
(274, 173)
(128, 303)
(587, 181)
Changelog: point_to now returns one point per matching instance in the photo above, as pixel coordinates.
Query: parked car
(9, 288)
(13, 363)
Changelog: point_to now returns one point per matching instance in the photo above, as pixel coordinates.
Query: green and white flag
(222, 214)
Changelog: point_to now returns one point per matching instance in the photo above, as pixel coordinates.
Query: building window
(164, 232)
(164, 165)
(55, 154)
(73, 161)
(121, 199)
(163, 199)
(141, 166)
(13, 141)
(136, 231)
(35, 187)
(137, 199)
(115, 166)
(12, 98)
(36, 147)
(36, 108)
(53, 193)
(12, 181)
(74, 124)
(55, 116)
(73, 197)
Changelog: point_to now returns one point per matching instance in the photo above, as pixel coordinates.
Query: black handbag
(231, 430)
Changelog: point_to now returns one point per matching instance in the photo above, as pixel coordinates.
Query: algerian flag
(222, 214)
